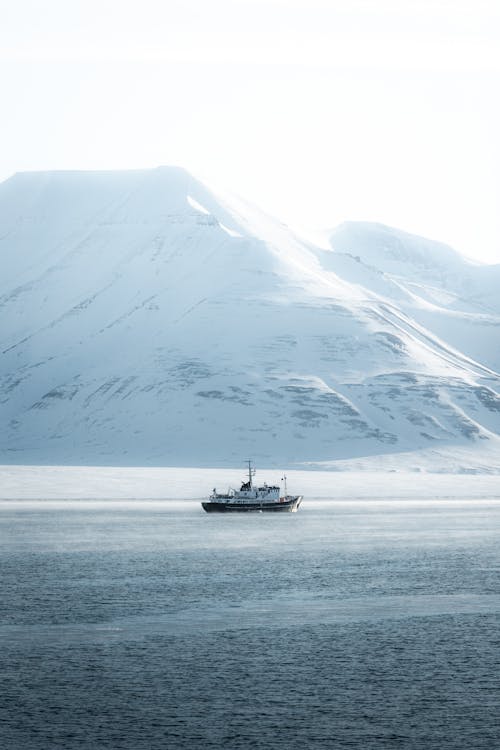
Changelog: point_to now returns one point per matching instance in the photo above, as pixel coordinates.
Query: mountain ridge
(148, 319)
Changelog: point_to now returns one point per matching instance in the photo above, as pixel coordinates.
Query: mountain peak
(388, 247)
(147, 320)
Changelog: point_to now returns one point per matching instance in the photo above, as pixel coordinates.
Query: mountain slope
(458, 299)
(145, 319)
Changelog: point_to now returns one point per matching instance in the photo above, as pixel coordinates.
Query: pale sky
(319, 111)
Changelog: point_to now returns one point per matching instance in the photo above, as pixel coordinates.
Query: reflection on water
(351, 625)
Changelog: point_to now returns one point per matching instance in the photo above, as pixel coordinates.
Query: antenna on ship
(251, 472)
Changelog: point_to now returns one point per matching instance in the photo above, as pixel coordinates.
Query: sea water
(130, 625)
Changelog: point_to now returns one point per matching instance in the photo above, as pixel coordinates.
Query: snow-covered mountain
(147, 320)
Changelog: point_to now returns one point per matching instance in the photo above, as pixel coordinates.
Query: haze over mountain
(147, 320)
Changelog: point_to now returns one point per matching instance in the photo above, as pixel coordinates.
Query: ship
(251, 497)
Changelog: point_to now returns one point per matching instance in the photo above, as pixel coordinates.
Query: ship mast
(251, 472)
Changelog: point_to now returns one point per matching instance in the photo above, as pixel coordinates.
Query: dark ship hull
(289, 505)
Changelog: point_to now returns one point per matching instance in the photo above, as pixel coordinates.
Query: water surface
(154, 625)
